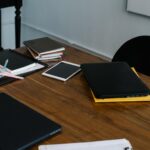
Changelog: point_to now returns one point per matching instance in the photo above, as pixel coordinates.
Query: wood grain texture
(70, 104)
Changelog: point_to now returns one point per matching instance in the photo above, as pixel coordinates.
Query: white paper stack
(118, 144)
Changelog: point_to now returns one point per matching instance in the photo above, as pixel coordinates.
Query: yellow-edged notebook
(113, 80)
(123, 99)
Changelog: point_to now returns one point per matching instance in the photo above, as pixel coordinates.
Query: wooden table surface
(70, 104)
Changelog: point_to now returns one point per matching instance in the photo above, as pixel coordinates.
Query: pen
(5, 64)
(5, 72)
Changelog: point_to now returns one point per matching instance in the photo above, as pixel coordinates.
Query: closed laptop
(114, 79)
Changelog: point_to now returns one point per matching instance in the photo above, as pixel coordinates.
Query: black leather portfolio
(114, 79)
(19, 64)
(22, 127)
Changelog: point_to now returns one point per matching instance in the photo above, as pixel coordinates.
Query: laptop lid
(115, 79)
(20, 126)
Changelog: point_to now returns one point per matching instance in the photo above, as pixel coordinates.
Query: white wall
(8, 30)
(138, 6)
(99, 25)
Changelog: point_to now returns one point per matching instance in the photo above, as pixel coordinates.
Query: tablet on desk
(62, 70)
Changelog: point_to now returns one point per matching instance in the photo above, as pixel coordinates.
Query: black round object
(136, 52)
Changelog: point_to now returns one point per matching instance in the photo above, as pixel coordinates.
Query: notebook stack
(45, 50)
(114, 82)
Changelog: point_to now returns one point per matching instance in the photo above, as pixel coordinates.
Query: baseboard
(69, 43)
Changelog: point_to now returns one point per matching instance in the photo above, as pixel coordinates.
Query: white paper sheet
(118, 144)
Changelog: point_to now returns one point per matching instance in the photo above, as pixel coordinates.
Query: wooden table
(70, 104)
(17, 4)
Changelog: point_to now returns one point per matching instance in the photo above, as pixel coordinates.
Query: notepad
(113, 80)
(21, 126)
(118, 144)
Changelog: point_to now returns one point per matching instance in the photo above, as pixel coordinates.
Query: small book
(62, 70)
(113, 80)
(18, 64)
(44, 45)
(22, 127)
(117, 144)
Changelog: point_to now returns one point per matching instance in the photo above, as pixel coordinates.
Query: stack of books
(115, 82)
(45, 49)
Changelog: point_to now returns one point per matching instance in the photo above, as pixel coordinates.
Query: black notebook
(18, 64)
(43, 45)
(112, 80)
(22, 127)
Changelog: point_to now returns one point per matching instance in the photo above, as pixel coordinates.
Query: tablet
(62, 70)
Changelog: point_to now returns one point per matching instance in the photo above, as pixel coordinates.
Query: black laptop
(22, 127)
(114, 79)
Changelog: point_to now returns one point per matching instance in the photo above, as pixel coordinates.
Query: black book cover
(43, 45)
(22, 127)
(115, 79)
(15, 61)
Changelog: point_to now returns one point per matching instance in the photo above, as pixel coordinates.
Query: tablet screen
(63, 70)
